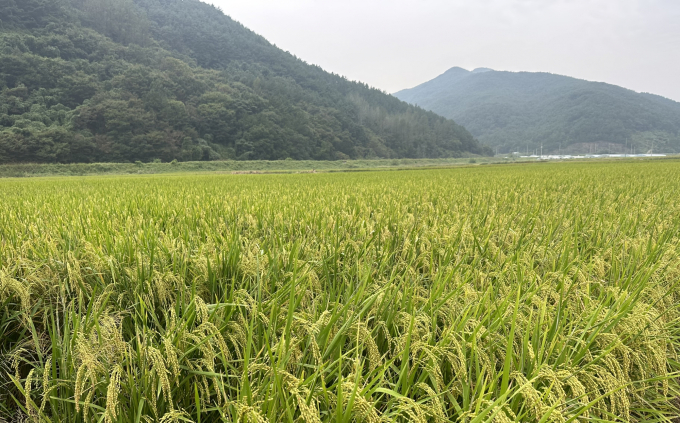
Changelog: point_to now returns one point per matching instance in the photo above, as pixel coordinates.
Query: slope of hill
(520, 111)
(124, 80)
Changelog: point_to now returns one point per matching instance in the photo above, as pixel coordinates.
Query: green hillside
(123, 80)
(520, 111)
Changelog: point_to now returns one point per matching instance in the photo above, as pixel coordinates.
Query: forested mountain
(127, 80)
(520, 111)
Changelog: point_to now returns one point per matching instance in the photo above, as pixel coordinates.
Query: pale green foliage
(539, 293)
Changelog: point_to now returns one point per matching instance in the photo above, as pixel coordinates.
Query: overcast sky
(397, 44)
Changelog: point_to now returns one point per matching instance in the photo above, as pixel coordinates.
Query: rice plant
(543, 293)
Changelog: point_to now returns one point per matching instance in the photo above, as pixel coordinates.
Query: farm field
(535, 293)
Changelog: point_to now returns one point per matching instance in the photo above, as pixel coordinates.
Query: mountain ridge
(518, 111)
(143, 80)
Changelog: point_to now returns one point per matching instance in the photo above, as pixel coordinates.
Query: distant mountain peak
(522, 111)
(456, 70)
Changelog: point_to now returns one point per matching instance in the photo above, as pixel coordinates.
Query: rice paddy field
(535, 293)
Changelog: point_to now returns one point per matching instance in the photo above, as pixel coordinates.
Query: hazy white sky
(396, 44)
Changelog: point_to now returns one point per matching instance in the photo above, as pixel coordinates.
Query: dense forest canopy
(522, 111)
(124, 80)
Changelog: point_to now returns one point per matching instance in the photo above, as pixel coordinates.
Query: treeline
(115, 81)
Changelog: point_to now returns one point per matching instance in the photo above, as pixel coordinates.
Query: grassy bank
(257, 166)
(282, 166)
